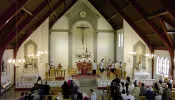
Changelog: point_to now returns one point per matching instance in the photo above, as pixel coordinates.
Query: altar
(141, 75)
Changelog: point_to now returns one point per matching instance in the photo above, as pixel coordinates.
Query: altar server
(102, 65)
(94, 67)
(112, 67)
(109, 64)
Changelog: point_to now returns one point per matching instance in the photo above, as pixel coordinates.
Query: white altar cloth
(141, 75)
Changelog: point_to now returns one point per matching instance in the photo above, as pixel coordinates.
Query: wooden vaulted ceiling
(153, 20)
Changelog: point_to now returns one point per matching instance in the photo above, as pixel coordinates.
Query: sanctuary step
(88, 82)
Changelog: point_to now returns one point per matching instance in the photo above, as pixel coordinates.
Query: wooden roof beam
(37, 25)
(168, 22)
(29, 13)
(10, 13)
(53, 11)
(118, 13)
(23, 25)
(166, 4)
(103, 5)
(132, 25)
(153, 28)
(162, 37)
(51, 25)
(65, 5)
(165, 31)
(156, 14)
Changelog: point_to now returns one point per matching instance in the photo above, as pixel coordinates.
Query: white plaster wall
(129, 42)
(62, 23)
(160, 53)
(9, 74)
(40, 37)
(105, 46)
(59, 48)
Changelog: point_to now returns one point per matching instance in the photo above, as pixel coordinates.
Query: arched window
(158, 70)
(162, 66)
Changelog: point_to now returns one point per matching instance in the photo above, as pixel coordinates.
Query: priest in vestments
(79, 66)
(84, 69)
(89, 67)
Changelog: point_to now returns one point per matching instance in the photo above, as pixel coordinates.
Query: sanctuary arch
(81, 16)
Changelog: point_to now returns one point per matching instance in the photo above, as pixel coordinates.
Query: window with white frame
(163, 66)
(120, 40)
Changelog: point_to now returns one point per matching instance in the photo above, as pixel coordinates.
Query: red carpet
(85, 76)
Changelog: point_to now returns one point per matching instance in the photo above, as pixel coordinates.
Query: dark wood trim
(162, 37)
(103, 5)
(131, 24)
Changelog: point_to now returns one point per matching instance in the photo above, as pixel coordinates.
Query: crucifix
(83, 27)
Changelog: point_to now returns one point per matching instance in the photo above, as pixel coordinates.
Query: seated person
(22, 96)
(46, 88)
(158, 96)
(65, 89)
(79, 95)
(49, 98)
(59, 97)
(129, 96)
(26, 96)
(142, 90)
(149, 93)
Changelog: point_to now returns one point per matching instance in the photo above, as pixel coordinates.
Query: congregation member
(26, 97)
(161, 79)
(129, 96)
(142, 90)
(166, 93)
(65, 88)
(149, 93)
(158, 96)
(74, 89)
(136, 92)
(22, 96)
(102, 65)
(123, 94)
(59, 97)
(36, 96)
(49, 98)
(130, 87)
(127, 83)
(69, 81)
(169, 83)
(79, 95)
(46, 88)
(122, 87)
(113, 67)
(94, 68)
(85, 96)
(93, 95)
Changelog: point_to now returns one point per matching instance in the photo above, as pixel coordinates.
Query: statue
(140, 67)
(124, 70)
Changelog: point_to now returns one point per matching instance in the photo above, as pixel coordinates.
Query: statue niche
(30, 66)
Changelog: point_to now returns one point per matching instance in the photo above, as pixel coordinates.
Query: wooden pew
(173, 89)
(142, 98)
(53, 97)
(172, 93)
(55, 90)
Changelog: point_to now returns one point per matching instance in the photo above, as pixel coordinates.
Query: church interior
(88, 49)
